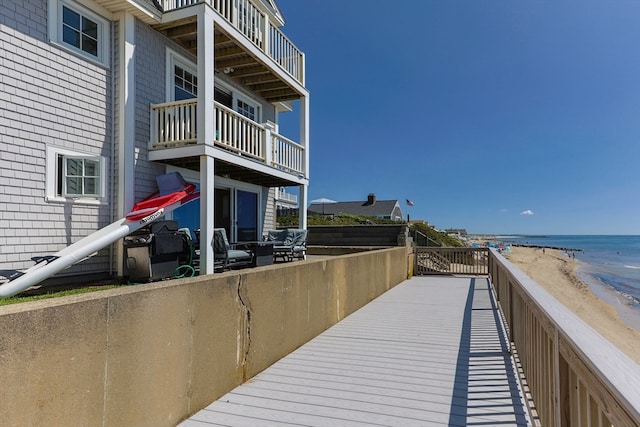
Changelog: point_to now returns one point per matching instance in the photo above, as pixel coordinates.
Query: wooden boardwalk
(429, 352)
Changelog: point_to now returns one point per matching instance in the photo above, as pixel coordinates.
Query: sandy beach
(556, 272)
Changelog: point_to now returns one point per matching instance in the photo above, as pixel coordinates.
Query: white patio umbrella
(322, 201)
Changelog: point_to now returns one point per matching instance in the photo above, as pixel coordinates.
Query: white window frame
(228, 184)
(56, 33)
(53, 173)
(238, 95)
(173, 59)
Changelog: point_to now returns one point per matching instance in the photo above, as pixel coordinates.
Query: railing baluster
(175, 124)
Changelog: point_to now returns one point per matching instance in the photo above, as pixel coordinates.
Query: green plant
(425, 235)
(19, 299)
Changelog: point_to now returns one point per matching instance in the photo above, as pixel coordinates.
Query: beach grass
(54, 294)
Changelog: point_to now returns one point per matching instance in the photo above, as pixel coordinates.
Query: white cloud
(504, 210)
(527, 212)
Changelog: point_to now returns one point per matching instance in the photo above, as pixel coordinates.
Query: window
(185, 83)
(78, 176)
(73, 176)
(79, 30)
(247, 110)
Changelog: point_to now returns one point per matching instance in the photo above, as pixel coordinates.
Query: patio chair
(291, 243)
(225, 255)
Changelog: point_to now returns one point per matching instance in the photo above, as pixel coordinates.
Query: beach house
(99, 97)
(383, 209)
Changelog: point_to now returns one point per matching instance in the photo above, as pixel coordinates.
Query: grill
(155, 252)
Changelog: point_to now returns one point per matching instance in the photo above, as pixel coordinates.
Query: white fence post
(269, 128)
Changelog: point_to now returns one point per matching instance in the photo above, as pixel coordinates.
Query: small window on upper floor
(185, 83)
(79, 30)
(247, 110)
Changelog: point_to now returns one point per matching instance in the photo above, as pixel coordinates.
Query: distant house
(459, 232)
(383, 209)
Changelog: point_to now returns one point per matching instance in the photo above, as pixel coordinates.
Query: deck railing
(574, 375)
(174, 124)
(237, 133)
(250, 21)
(287, 155)
(446, 260)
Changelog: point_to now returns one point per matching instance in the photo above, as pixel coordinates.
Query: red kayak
(155, 202)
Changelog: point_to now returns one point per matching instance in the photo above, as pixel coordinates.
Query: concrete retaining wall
(358, 235)
(153, 354)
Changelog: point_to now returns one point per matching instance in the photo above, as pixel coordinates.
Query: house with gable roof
(383, 209)
(99, 97)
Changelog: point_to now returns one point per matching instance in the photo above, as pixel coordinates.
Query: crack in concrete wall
(246, 321)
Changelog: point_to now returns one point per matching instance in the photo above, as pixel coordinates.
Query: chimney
(371, 199)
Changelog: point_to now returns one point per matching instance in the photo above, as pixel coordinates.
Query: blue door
(247, 215)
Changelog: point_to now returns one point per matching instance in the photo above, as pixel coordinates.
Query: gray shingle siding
(150, 65)
(50, 97)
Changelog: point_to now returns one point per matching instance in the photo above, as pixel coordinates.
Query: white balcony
(250, 21)
(174, 125)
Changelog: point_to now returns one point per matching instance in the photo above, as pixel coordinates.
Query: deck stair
(433, 262)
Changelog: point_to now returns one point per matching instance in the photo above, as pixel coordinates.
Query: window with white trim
(73, 176)
(185, 83)
(247, 110)
(78, 176)
(79, 30)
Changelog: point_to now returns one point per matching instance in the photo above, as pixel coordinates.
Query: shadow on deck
(431, 351)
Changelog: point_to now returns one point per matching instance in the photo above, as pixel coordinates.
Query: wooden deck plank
(428, 352)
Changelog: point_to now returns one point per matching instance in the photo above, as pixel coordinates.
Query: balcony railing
(282, 195)
(174, 124)
(255, 25)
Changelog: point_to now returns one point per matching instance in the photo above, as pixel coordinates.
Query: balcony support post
(304, 141)
(302, 206)
(126, 132)
(206, 135)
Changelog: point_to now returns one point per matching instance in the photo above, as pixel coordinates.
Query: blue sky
(494, 116)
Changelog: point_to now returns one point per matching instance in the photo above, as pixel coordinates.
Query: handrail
(285, 53)
(287, 154)
(427, 238)
(238, 133)
(447, 260)
(245, 16)
(174, 124)
(575, 376)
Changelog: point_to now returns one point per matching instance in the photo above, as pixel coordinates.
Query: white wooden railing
(237, 133)
(282, 195)
(247, 18)
(174, 124)
(574, 376)
(287, 155)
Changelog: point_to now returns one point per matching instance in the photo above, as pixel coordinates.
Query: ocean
(610, 265)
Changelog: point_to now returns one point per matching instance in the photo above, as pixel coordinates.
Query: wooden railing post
(153, 121)
(269, 128)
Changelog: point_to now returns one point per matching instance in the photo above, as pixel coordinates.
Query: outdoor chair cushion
(291, 243)
(224, 253)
